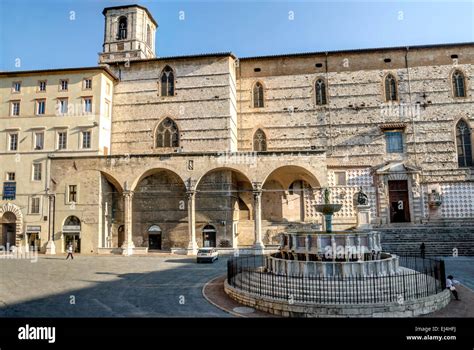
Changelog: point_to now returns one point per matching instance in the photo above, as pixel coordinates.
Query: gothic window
(258, 95)
(167, 134)
(259, 141)
(458, 84)
(122, 28)
(464, 144)
(320, 92)
(167, 82)
(148, 35)
(390, 88)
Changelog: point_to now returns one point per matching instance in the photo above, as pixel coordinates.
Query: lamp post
(50, 246)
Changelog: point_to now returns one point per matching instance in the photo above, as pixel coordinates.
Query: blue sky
(42, 35)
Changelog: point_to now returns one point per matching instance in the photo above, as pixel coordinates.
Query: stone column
(127, 247)
(192, 245)
(257, 217)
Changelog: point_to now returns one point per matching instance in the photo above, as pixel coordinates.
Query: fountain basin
(327, 209)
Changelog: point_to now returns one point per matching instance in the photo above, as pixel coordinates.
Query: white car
(207, 254)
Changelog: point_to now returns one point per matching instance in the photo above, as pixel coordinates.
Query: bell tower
(129, 34)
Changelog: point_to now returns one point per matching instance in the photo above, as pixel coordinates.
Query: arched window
(167, 134)
(122, 28)
(320, 92)
(464, 145)
(167, 82)
(258, 97)
(72, 221)
(259, 141)
(390, 88)
(458, 84)
(148, 35)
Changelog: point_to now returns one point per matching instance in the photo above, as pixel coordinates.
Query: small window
(62, 139)
(63, 85)
(258, 97)
(35, 205)
(16, 86)
(107, 88)
(10, 176)
(86, 139)
(37, 171)
(320, 92)
(42, 85)
(87, 105)
(394, 141)
(63, 106)
(15, 108)
(259, 141)
(39, 140)
(167, 82)
(72, 193)
(40, 107)
(390, 88)
(340, 177)
(87, 84)
(13, 142)
(459, 86)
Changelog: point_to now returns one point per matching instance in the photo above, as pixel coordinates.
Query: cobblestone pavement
(115, 286)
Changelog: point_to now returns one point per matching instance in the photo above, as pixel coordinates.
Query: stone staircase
(441, 238)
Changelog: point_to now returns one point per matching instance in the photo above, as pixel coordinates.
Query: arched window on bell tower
(122, 28)
(148, 35)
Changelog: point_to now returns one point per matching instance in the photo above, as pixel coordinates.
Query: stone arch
(247, 178)
(159, 198)
(14, 209)
(152, 171)
(286, 174)
(112, 180)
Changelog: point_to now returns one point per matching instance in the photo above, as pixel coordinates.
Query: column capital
(128, 194)
(190, 194)
(257, 186)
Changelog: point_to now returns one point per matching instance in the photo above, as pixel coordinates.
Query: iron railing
(420, 278)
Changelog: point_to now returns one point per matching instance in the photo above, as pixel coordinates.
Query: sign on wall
(9, 190)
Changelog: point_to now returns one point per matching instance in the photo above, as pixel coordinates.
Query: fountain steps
(439, 241)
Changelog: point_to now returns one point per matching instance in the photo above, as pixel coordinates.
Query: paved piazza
(158, 286)
(116, 286)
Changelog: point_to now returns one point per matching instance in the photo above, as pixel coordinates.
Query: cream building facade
(213, 150)
(46, 114)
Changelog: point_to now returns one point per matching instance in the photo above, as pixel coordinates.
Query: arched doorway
(209, 236)
(8, 236)
(154, 237)
(72, 233)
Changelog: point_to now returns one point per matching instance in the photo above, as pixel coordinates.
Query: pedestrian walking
(450, 284)
(422, 250)
(69, 252)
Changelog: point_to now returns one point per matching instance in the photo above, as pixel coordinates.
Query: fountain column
(257, 218)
